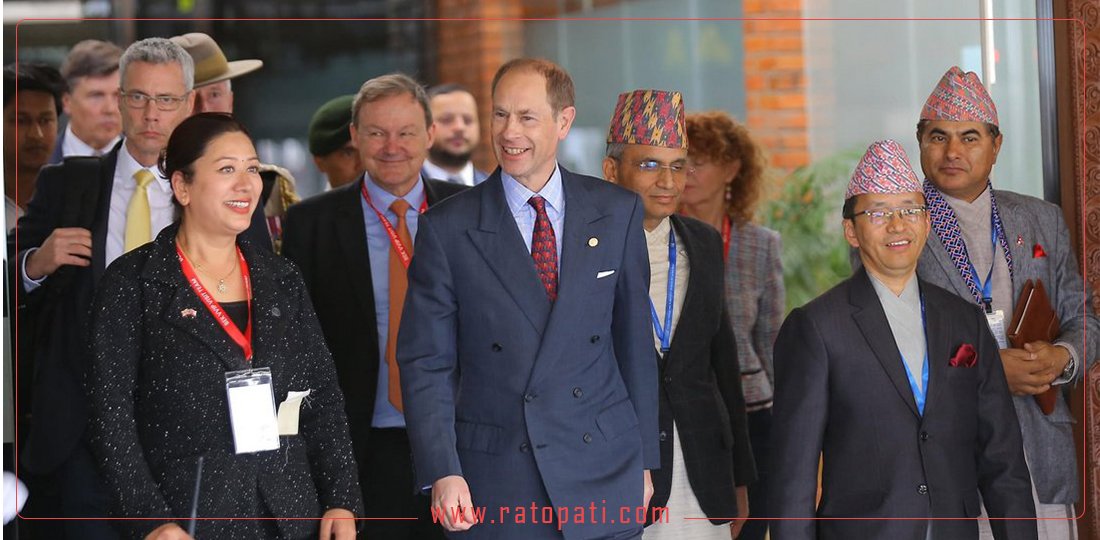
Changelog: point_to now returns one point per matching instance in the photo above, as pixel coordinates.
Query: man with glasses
(987, 243)
(895, 384)
(699, 378)
(85, 213)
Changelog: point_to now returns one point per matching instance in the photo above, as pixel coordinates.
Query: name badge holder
(252, 410)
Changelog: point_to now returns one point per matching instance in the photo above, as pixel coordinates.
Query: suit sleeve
(297, 232)
(1080, 325)
(632, 336)
(116, 354)
(772, 303)
(324, 423)
(427, 356)
(723, 355)
(42, 217)
(800, 413)
(1003, 477)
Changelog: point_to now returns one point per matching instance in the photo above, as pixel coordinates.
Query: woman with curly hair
(723, 187)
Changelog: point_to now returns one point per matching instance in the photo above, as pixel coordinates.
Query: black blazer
(326, 236)
(58, 310)
(157, 390)
(700, 386)
(841, 392)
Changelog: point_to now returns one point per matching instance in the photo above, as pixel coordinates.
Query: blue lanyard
(919, 392)
(665, 334)
(987, 287)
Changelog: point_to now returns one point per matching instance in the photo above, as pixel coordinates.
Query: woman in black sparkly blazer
(160, 355)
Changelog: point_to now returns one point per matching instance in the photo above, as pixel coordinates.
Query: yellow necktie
(138, 220)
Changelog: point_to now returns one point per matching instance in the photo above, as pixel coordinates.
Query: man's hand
(1025, 374)
(451, 498)
(168, 531)
(647, 488)
(742, 512)
(338, 524)
(1054, 357)
(72, 246)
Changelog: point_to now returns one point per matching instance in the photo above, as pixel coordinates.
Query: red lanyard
(398, 245)
(726, 226)
(244, 341)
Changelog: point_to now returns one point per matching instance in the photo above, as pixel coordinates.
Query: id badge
(996, 322)
(252, 410)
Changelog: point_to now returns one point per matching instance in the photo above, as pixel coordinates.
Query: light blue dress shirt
(378, 246)
(517, 196)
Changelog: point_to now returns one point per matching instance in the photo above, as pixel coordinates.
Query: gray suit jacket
(1048, 440)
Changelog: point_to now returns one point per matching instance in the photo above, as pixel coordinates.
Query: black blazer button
(587, 438)
(524, 447)
(577, 392)
(275, 312)
(924, 435)
(497, 347)
(922, 489)
(663, 436)
(668, 379)
(528, 398)
(594, 339)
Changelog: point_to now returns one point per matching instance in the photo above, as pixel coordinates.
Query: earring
(729, 192)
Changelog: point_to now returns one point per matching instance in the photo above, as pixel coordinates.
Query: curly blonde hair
(719, 138)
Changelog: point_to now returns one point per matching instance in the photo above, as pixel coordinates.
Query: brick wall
(775, 81)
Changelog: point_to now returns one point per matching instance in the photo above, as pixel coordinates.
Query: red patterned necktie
(544, 248)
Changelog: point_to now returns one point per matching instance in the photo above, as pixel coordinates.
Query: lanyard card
(252, 410)
(996, 321)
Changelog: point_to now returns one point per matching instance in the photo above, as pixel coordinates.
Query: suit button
(668, 379)
(922, 489)
(275, 312)
(587, 438)
(524, 447)
(497, 347)
(529, 398)
(924, 435)
(663, 436)
(577, 392)
(594, 339)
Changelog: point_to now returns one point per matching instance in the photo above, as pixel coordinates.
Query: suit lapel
(1021, 254)
(935, 254)
(99, 229)
(352, 239)
(871, 320)
(692, 300)
(498, 240)
(936, 332)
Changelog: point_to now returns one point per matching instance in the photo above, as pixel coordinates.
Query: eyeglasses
(652, 166)
(137, 100)
(879, 218)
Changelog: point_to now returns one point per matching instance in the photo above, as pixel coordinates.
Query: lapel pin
(593, 242)
(189, 313)
(1019, 239)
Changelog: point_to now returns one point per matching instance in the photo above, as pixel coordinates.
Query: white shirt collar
(466, 175)
(73, 146)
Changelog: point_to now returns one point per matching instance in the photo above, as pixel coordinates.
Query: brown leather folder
(1034, 319)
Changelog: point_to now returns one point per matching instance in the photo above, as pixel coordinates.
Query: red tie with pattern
(544, 248)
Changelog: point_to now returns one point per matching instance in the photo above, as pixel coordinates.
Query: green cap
(328, 130)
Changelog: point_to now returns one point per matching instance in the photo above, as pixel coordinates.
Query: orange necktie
(399, 283)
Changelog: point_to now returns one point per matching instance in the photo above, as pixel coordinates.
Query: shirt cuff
(1076, 364)
(28, 283)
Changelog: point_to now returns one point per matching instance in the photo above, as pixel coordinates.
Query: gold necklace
(221, 280)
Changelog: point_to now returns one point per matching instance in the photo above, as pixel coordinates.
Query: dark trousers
(760, 427)
(390, 491)
(74, 490)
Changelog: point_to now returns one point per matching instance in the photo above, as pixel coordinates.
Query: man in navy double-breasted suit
(526, 356)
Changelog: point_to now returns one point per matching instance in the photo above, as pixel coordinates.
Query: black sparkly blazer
(158, 401)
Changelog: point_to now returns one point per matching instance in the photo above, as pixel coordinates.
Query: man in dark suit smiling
(896, 384)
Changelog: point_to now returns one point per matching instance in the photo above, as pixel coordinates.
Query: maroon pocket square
(966, 356)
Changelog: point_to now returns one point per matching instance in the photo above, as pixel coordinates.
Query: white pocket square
(603, 274)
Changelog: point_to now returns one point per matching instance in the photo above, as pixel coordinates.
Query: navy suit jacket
(532, 402)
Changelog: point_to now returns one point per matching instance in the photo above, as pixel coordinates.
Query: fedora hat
(211, 65)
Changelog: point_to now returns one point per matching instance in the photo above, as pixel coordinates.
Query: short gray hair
(393, 84)
(159, 51)
(615, 150)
